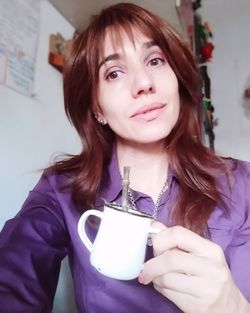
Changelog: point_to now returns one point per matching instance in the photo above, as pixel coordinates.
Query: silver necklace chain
(157, 204)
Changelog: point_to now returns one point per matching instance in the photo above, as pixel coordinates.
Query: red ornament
(207, 50)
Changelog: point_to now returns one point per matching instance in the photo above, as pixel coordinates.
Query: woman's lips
(149, 112)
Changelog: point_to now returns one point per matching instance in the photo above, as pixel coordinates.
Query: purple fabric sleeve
(239, 249)
(32, 246)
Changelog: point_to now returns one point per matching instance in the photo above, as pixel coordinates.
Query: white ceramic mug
(120, 244)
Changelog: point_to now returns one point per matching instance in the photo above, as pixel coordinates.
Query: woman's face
(138, 91)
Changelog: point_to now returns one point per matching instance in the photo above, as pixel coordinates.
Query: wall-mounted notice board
(19, 30)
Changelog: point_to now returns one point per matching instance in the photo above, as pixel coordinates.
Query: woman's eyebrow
(111, 57)
(117, 56)
(149, 44)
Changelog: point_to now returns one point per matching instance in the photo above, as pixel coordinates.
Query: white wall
(230, 72)
(32, 131)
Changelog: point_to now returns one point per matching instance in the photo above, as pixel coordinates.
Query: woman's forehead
(114, 39)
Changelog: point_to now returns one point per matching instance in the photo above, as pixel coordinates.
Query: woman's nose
(142, 83)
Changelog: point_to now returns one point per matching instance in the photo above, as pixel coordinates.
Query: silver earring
(101, 121)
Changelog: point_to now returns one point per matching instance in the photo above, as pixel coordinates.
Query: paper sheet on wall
(19, 30)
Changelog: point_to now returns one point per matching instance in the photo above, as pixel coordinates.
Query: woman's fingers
(192, 272)
(186, 240)
(185, 284)
(173, 261)
(179, 282)
(179, 250)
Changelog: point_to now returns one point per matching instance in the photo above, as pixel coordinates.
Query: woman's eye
(156, 61)
(113, 75)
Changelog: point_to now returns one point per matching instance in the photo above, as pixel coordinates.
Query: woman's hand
(192, 272)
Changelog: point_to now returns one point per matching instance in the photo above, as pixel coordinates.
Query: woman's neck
(149, 166)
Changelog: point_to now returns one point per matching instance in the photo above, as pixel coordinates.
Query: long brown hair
(193, 164)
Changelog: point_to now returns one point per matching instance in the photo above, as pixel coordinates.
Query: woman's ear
(98, 113)
(100, 118)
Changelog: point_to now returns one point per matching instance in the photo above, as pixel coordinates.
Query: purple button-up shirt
(33, 244)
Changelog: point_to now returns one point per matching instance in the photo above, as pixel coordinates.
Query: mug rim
(131, 211)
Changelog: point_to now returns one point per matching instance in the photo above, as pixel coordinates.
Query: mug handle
(81, 227)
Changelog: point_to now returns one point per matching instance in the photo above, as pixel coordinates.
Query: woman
(130, 87)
